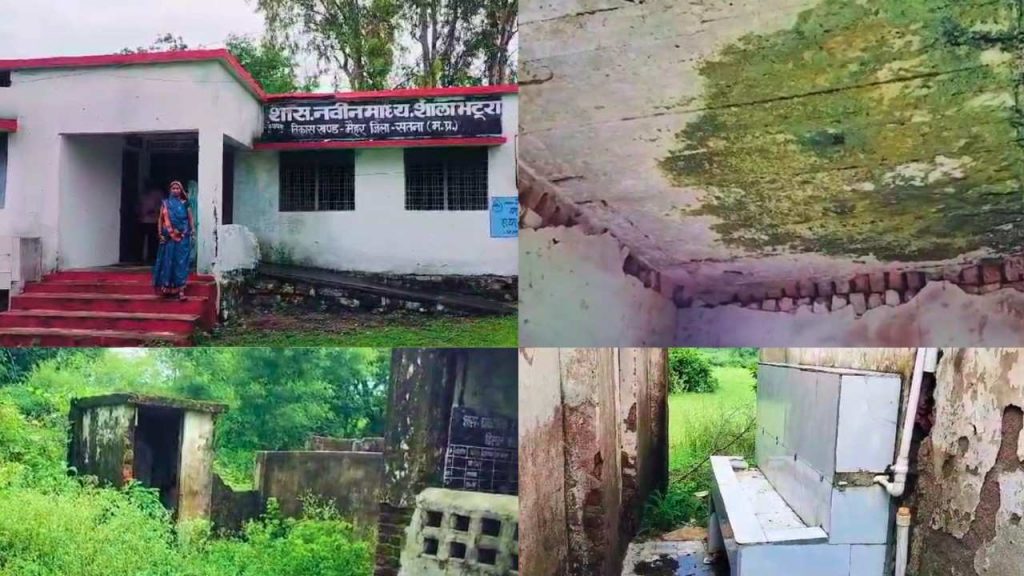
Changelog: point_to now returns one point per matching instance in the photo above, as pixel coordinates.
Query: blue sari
(174, 257)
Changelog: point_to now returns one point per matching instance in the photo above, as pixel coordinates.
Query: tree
(355, 37)
(877, 127)
(270, 63)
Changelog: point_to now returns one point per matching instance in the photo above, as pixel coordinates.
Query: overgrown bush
(690, 371)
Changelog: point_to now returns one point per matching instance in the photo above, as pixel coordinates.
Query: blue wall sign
(505, 217)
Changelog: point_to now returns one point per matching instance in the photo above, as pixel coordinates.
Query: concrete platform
(659, 558)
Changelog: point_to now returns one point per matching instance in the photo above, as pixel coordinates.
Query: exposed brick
(820, 305)
(1014, 269)
(770, 305)
(874, 300)
(791, 289)
(774, 293)
(839, 302)
(859, 302)
(991, 273)
(896, 282)
(971, 275)
(988, 288)
(825, 288)
(748, 294)
(862, 284)
(878, 282)
(842, 287)
(915, 281)
(807, 289)
(892, 298)
(786, 305)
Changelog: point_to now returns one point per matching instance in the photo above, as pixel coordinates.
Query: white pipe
(902, 540)
(925, 361)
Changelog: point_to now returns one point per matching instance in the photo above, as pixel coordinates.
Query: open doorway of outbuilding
(157, 451)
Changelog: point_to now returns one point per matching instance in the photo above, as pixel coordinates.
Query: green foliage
(355, 37)
(270, 63)
(52, 523)
(702, 425)
(690, 371)
(873, 127)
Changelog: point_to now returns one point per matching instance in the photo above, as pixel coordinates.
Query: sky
(37, 28)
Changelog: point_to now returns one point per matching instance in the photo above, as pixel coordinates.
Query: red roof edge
(242, 75)
(8, 125)
(333, 144)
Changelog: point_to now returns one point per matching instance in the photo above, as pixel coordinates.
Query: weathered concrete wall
(574, 290)
(350, 480)
(971, 486)
(326, 444)
(101, 442)
(231, 509)
(195, 480)
(593, 421)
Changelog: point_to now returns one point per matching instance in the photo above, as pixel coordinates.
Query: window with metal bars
(446, 179)
(317, 181)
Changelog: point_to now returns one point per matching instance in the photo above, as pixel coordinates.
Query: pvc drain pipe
(925, 361)
(902, 540)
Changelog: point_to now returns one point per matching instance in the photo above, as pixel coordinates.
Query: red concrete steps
(62, 337)
(107, 307)
(92, 320)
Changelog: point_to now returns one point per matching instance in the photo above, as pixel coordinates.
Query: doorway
(157, 451)
(151, 163)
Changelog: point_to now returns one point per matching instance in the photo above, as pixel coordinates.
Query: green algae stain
(871, 127)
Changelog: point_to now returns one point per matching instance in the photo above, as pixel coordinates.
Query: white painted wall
(577, 292)
(90, 200)
(49, 104)
(380, 235)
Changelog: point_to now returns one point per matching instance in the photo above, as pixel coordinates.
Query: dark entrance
(157, 452)
(151, 163)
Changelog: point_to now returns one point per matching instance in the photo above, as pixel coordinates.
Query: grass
(702, 425)
(392, 331)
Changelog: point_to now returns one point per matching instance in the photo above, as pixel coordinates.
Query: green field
(702, 425)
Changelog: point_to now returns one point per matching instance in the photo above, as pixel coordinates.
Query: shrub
(690, 371)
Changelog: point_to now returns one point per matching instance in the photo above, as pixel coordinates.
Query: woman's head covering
(184, 191)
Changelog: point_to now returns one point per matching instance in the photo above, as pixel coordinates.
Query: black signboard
(330, 120)
(482, 453)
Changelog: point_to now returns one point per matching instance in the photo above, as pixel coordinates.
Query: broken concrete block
(892, 298)
(1014, 269)
(774, 293)
(839, 302)
(842, 287)
(770, 305)
(753, 306)
(859, 302)
(786, 305)
(791, 290)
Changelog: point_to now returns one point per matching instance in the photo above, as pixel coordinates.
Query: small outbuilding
(162, 443)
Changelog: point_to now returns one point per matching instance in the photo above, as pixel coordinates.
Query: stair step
(93, 320)
(126, 275)
(146, 304)
(56, 337)
(203, 289)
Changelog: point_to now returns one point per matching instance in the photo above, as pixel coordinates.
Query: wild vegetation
(715, 420)
(54, 523)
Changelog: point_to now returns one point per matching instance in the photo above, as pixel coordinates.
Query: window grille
(318, 181)
(446, 179)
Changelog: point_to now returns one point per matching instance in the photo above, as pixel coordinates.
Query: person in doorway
(148, 213)
(173, 259)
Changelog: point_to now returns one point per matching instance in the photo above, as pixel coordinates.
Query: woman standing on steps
(175, 227)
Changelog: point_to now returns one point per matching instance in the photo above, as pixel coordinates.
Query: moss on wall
(871, 127)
